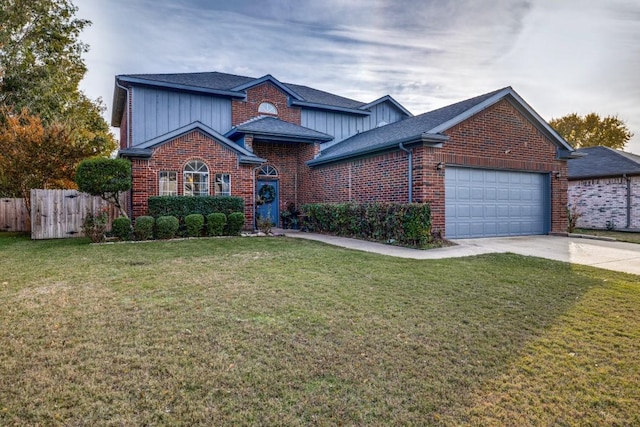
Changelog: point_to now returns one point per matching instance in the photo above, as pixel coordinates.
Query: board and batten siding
(344, 125)
(157, 112)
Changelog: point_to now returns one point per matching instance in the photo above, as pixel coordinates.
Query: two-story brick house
(489, 165)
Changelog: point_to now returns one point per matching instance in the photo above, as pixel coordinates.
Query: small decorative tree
(106, 178)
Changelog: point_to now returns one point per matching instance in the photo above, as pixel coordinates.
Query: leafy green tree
(592, 130)
(106, 178)
(36, 156)
(41, 67)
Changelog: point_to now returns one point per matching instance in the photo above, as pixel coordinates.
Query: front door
(267, 190)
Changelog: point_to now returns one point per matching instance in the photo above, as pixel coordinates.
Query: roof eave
(387, 98)
(271, 79)
(179, 86)
(431, 140)
(317, 106)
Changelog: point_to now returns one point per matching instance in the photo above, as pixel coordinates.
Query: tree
(41, 67)
(36, 156)
(592, 130)
(106, 178)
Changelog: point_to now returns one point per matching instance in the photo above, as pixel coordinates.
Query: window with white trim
(168, 183)
(268, 170)
(267, 108)
(222, 184)
(196, 179)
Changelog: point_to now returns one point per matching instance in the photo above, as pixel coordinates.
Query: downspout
(128, 142)
(628, 199)
(410, 174)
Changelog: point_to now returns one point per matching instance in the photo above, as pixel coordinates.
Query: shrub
(194, 224)
(167, 227)
(404, 223)
(121, 228)
(143, 227)
(106, 178)
(235, 222)
(94, 226)
(215, 224)
(181, 206)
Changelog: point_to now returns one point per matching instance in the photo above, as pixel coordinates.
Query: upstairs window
(267, 108)
(196, 179)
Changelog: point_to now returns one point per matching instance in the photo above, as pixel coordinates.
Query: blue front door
(271, 200)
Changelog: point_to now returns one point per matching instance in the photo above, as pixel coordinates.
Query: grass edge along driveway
(278, 331)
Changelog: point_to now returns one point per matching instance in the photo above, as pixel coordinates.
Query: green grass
(277, 331)
(623, 236)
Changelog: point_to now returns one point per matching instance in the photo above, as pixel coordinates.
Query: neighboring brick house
(604, 188)
(488, 166)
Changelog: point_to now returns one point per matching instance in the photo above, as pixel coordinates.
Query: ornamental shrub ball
(121, 228)
(235, 222)
(167, 227)
(143, 227)
(194, 224)
(215, 224)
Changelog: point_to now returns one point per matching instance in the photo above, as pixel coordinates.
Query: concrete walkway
(610, 255)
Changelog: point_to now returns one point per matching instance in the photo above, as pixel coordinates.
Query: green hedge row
(181, 206)
(403, 223)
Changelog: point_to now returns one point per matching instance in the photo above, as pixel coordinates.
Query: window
(196, 179)
(268, 108)
(268, 170)
(168, 185)
(222, 185)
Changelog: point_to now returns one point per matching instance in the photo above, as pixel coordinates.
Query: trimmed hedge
(143, 227)
(215, 224)
(194, 224)
(404, 223)
(121, 228)
(167, 227)
(235, 222)
(181, 206)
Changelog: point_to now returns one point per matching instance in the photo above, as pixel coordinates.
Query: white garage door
(486, 203)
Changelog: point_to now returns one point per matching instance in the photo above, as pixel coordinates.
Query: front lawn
(623, 236)
(277, 331)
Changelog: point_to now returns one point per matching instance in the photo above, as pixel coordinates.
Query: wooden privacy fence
(58, 214)
(13, 215)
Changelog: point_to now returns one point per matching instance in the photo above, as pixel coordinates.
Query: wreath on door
(267, 193)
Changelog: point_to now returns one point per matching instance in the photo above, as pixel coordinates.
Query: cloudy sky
(561, 56)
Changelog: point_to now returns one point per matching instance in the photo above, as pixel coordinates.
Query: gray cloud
(570, 56)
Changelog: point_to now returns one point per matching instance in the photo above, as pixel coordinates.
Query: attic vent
(382, 123)
(268, 108)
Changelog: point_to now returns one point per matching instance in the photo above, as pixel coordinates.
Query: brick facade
(602, 202)
(496, 138)
(175, 154)
(244, 110)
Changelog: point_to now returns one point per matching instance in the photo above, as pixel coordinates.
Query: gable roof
(428, 128)
(602, 162)
(145, 149)
(272, 128)
(234, 86)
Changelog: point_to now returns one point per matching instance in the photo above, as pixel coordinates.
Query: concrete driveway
(617, 256)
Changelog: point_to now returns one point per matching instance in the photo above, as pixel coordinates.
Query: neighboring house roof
(234, 86)
(603, 162)
(274, 129)
(145, 149)
(428, 127)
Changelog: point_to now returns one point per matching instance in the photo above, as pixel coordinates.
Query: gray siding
(344, 125)
(156, 112)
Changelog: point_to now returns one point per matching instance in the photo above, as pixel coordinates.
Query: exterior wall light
(439, 166)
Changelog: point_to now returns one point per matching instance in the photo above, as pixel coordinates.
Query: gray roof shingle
(603, 161)
(226, 82)
(271, 126)
(404, 130)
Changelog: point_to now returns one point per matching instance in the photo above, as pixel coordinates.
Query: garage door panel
(481, 203)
